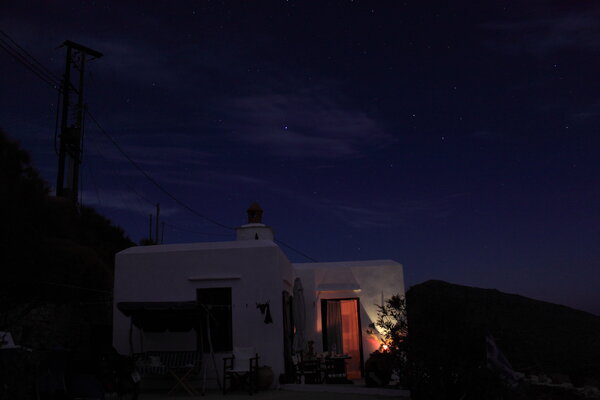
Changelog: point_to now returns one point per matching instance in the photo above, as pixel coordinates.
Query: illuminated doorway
(341, 332)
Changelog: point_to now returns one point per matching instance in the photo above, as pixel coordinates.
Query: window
(215, 307)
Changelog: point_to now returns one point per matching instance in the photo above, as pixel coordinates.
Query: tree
(391, 321)
(53, 252)
(391, 357)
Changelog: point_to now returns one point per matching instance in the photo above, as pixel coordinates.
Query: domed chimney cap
(254, 214)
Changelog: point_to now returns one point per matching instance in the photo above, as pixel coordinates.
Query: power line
(91, 174)
(165, 191)
(122, 181)
(155, 183)
(152, 180)
(295, 250)
(18, 56)
(35, 61)
(32, 64)
(141, 196)
(213, 234)
(24, 62)
(56, 123)
(179, 228)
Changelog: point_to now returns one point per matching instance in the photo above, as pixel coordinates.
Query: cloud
(112, 200)
(207, 178)
(165, 155)
(309, 124)
(236, 178)
(149, 155)
(589, 112)
(383, 213)
(359, 217)
(543, 35)
(124, 201)
(393, 214)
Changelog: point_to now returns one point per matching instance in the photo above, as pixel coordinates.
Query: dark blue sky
(460, 139)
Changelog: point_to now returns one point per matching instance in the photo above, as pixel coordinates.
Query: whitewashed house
(165, 296)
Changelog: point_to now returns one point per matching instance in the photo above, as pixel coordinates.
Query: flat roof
(183, 247)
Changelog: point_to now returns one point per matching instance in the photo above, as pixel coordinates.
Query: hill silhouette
(57, 260)
(448, 323)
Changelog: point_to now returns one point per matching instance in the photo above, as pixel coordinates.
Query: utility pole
(71, 126)
(157, 215)
(150, 227)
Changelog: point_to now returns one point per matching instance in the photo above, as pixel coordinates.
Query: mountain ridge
(448, 323)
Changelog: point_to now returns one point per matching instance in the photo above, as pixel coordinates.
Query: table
(310, 370)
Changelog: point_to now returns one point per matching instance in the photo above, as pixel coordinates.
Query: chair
(181, 366)
(241, 369)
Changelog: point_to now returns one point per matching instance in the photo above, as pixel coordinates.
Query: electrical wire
(152, 180)
(30, 66)
(56, 123)
(165, 191)
(295, 250)
(122, 181)
(35, 61)
(93, 179)
(192, 231)
(213, 234)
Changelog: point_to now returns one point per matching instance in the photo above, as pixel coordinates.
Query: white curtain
(334, 327)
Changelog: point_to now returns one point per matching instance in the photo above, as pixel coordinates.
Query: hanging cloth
(265, 309)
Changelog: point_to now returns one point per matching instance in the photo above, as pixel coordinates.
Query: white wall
(161, 273)
(252, 231)
(257, 271)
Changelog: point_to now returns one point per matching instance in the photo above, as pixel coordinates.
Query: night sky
(458, 138)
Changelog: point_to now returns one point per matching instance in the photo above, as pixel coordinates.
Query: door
(341, 332)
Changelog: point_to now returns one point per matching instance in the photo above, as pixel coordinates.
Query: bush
(391, 358)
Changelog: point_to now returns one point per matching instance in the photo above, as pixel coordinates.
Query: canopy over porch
(173, 316)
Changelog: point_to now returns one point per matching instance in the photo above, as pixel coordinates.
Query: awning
(338, 287)
(331, 280)
(179, 316)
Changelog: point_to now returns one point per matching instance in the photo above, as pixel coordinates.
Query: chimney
(254, 213)
(254, 229)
